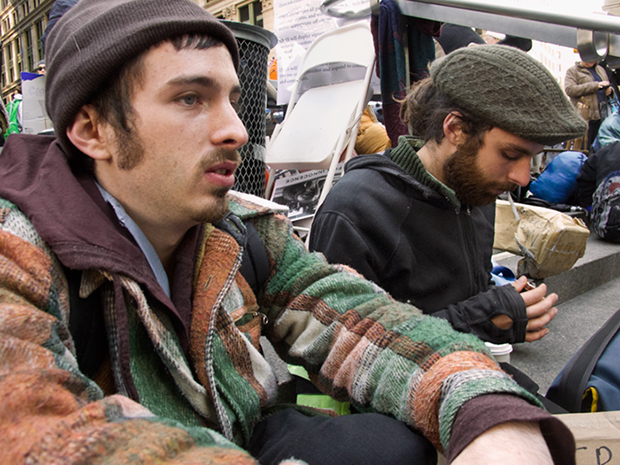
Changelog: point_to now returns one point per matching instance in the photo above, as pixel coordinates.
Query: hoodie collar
(405, 155)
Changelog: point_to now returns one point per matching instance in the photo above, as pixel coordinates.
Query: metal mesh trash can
(254, 46)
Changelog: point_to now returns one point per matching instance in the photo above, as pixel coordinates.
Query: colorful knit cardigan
(356, 343)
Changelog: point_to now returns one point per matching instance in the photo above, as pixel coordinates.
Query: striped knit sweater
(355, 341)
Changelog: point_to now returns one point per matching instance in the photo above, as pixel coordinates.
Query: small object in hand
(529, 286)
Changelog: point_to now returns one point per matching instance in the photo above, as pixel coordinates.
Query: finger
(539, 308)
(536, 335)
(520, 283)
(535, 295)
(536, 324)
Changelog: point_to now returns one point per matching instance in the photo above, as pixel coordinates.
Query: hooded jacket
(97, 363)
(404, 230)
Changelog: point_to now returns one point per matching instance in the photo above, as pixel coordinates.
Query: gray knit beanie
(509, 89)
(93, 40)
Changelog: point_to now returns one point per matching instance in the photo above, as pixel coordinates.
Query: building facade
(22, 23)
(256, 12)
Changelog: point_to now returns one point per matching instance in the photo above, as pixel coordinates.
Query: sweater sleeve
(51, 412)
(359, 344)
(485, 412)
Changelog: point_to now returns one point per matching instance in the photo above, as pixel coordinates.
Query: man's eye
(189, 100)
(510, 156)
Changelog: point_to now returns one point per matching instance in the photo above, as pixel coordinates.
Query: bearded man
(419, 219)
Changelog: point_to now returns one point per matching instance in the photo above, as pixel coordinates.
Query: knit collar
(406, 157)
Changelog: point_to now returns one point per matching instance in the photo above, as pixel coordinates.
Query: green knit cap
(509, 89)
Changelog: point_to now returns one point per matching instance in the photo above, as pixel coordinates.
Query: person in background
(371, 135)
(419, 219)
(15, 115)
(608, 132)
(598, 190)
(40, 67)
(59, 8)
(491, 37)
(587, 85)
(129, 330)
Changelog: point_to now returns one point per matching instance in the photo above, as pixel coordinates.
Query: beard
(463, 175)
(218, 205)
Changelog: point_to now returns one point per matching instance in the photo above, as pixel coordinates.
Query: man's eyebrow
(204, 81)
(517, 148)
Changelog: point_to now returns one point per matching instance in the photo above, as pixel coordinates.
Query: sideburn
(129, 147)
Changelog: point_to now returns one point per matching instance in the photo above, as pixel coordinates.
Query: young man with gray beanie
(418, 219)
(129, 333)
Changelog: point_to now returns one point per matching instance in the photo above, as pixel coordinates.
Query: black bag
(590, 381)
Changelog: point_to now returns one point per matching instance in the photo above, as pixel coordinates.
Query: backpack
(255, 262)
(605, 212)
(559, 180)
(590, 381)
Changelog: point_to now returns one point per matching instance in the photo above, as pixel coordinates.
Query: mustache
(506, 187)
(220, 155)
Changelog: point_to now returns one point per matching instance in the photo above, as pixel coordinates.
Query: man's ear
(453, 129)
(88, 133)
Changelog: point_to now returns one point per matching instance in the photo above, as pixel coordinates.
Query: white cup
(501, 352)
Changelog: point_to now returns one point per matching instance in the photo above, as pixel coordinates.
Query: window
(38, 36)
(9, 60)
(18, 57)
(252, 13)
(29, 50)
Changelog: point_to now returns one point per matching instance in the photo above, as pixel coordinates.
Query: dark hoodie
(401, 228)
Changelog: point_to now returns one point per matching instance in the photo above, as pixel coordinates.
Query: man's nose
(520, 173)
(231, 131)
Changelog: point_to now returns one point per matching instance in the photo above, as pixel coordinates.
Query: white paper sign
(34, 116)
(297, 23)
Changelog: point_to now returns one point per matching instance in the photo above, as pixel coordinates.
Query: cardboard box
(549, 241)
(597, 436)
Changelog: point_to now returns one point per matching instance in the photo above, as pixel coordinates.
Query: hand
(603, 84)
(508, 444)
(540, 310)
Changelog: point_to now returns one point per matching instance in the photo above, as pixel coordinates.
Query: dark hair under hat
(509, 89)
(95, 38)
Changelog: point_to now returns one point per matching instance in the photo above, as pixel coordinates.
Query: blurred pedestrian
(15, 115)
(588, 86)
(608, 132)
(371, 135)
(40, 67)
